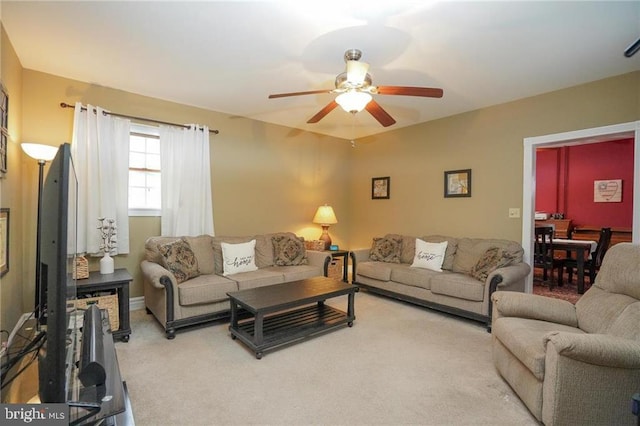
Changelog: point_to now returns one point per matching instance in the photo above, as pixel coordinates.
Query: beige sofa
(471, 270)
(186, 279)
(575, 365)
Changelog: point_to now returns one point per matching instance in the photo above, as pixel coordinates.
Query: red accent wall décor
(565, 182)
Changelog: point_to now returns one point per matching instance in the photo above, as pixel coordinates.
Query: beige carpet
(398, 364)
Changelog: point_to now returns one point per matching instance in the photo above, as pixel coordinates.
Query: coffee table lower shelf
(285, 327)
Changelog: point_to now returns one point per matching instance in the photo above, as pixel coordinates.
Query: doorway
(594, 135)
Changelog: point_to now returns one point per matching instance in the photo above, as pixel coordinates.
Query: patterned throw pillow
(387, 249)
(178, 258)
(491, 260)
(288, 251)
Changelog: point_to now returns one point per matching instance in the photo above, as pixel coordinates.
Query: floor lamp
(41, 153)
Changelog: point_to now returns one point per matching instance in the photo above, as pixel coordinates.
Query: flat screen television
(58, 228)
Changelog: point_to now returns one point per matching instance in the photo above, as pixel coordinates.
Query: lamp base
(325, 237)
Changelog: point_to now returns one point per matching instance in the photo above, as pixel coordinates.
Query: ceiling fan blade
(380, 114)
(311, 92)
(429, 92)
(324, 111)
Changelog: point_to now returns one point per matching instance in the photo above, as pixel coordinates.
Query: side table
(117, 282)
(344, 254)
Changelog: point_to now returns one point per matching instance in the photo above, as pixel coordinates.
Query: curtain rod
(150, 120)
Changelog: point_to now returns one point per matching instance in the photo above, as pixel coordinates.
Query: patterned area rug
(569, 291)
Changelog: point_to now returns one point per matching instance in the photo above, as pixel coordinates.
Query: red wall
(564, 182)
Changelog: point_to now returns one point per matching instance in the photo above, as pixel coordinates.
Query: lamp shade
(325, 216)
(39, 151)
(353, 101)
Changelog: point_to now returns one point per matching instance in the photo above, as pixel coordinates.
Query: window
(144, 171)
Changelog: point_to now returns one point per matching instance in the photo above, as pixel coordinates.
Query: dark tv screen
(57, 287)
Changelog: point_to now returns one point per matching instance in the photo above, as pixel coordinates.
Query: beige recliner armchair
(575, 365)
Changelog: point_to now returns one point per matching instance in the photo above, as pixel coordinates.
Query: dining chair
(593, 262)
(543, 253)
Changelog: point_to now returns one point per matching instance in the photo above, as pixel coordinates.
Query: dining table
(582, 250)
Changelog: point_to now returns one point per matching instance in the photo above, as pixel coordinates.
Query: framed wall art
(4, 241)
(457, 183)
(380, 188)
(607, 191)
(4, 133)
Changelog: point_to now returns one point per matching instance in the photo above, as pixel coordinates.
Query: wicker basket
(335, 268)
(108, 302)
(81, 268)
(316, 245)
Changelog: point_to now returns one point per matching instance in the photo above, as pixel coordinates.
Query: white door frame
(578, 137)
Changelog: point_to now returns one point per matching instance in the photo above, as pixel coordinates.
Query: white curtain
(186, 181)
(100, 153)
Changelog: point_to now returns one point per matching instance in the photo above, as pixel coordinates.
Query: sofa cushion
(525, 338)
(429, 255)
(202, 247)
(298, 272)
(259, 278)
(180, 260)
(289, 250)
(376, 270)
(205, 289)
(415, 277)
(386, 249)
(238, 257)
(458, 285)
(452, 247)
(492, 259)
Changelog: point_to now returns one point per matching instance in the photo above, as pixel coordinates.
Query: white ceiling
(228, 56)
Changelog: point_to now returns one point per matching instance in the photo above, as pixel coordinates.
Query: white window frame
(149, 131)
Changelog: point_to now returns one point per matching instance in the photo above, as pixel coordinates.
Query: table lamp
(325, 217)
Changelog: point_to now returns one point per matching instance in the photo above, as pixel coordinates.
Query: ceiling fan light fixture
(356, 72)
(353, 101)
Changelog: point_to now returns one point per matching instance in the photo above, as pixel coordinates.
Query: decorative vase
(106, 264)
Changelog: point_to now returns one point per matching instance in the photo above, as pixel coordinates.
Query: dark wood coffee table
(286, 312)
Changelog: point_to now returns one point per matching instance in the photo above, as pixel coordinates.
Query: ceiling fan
(354, 90)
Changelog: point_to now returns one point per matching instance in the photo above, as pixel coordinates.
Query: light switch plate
(514, 212)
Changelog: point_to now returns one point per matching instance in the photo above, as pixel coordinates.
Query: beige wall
(488, 141)
(11, 186)
(266, 178)
(269, 178)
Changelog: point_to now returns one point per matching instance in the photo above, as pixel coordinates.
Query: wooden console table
(117, 282)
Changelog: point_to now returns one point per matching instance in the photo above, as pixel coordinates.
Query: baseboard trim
(136, 303)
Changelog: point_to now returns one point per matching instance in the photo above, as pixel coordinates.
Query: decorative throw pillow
(238, 258)
(429, 255)
(492, 259)
(387, 249)
(289, 251)
(178, 258)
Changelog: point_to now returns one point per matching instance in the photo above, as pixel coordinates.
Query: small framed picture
(380, 188)
(4, 241)
(3, 152)
(457, 183)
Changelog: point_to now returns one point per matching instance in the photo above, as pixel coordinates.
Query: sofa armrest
(596, 349)
(533, 306)
(318, 258)
(512, 277)
(361, 255)
(157, 275)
